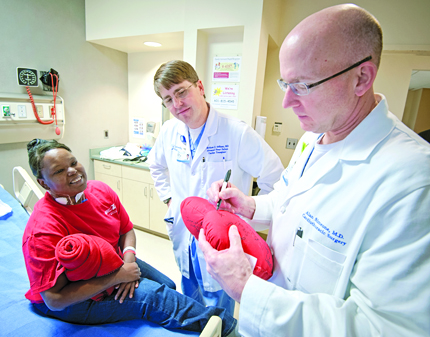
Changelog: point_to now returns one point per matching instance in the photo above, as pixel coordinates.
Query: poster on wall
(138, 127)
(226, 69)
(225, 96)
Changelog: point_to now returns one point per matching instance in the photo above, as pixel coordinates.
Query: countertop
(95, 155)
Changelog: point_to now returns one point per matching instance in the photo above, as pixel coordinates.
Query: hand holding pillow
(199, 213)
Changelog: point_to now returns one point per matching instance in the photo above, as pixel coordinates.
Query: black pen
(224, 185)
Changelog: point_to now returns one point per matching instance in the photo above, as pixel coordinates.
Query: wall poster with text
(225, 96)
(226, 69)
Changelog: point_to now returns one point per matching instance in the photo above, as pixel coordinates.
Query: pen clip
(299, 233)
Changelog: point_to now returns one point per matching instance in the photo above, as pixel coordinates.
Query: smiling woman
(80, 220)
(57, 171)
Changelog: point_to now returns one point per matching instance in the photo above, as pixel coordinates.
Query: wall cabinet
(136, 191)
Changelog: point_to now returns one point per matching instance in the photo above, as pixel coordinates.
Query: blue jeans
(193, 286)
(155, 300)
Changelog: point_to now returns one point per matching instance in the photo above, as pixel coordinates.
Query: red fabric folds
(199, 213)
(87, 256)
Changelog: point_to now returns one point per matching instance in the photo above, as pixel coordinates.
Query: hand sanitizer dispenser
(260, 125)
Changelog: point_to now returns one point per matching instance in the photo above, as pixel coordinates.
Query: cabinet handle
(145, 191)
(118, 184)
(106, 166)
(150, 192)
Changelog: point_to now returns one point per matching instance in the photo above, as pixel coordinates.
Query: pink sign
(220, 75)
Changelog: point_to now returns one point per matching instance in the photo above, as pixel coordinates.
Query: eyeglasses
(180, 94)
(302, 89)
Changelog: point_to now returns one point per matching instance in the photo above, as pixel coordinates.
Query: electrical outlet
(22, 111)
(291, 143)
(40, 110)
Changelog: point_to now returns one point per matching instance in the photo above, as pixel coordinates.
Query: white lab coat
(362, 266)
(226, 143)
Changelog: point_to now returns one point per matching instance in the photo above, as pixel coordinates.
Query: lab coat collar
(376, 127)
(358, 146)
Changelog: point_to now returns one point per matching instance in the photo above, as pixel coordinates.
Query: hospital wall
(406, 47)
(99, 84)
(93, 78)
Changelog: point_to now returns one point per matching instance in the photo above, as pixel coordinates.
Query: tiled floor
(158, 253)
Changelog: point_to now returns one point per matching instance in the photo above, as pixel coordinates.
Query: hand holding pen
(224, 186)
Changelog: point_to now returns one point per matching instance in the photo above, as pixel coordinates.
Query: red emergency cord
(53, 109)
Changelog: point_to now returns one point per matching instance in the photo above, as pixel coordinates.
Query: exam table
(17, 316)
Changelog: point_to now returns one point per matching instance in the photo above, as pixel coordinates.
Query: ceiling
(134, 44)
(419, 79)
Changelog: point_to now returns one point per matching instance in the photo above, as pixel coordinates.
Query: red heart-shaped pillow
(199, 213)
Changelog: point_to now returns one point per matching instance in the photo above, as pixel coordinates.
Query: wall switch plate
(291, 143)
(277, 127)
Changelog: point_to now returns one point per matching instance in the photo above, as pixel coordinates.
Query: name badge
(183, 156)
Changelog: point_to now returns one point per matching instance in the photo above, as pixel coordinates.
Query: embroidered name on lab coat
(336, 237)
(218, 149)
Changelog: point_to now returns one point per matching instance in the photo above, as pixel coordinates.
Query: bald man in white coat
(349, 220)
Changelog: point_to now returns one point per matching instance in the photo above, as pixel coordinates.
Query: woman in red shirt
(73, 205)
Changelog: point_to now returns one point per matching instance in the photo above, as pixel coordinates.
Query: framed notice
(226, 69)
(138, 126)
(225, 96)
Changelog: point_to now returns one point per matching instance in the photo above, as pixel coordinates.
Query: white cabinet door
(113, 182)
(157, 212)
(136, 202)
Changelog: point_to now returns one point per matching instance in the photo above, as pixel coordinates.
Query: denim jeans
(193, 286)
(155, 300)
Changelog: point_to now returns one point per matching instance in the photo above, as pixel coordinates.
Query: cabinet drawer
(137, 174)
(107, 168)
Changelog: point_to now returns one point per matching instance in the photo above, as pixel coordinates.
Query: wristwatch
(167, 200)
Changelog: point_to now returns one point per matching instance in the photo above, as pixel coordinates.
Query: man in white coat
(194, 150)
(349, 219)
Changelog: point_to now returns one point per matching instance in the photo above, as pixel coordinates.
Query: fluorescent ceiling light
(152, 44)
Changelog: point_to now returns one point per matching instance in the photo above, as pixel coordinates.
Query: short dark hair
(174, 72)
(37, 149)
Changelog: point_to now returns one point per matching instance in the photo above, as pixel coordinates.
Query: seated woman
(73, 205)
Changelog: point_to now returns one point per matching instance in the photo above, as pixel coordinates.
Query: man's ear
(200, 86)
(43, 184)
(366, 76)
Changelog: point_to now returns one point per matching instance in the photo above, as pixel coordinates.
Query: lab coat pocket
(320, 270)
(216, 170)
(298, 252)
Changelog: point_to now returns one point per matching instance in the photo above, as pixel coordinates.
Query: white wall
(143, 101)
(406, 27)
(93, 79)
(193, 18)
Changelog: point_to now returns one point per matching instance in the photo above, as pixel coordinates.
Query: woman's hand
(131, 274)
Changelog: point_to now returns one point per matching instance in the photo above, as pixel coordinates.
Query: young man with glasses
(349, 220)
(193, 150)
